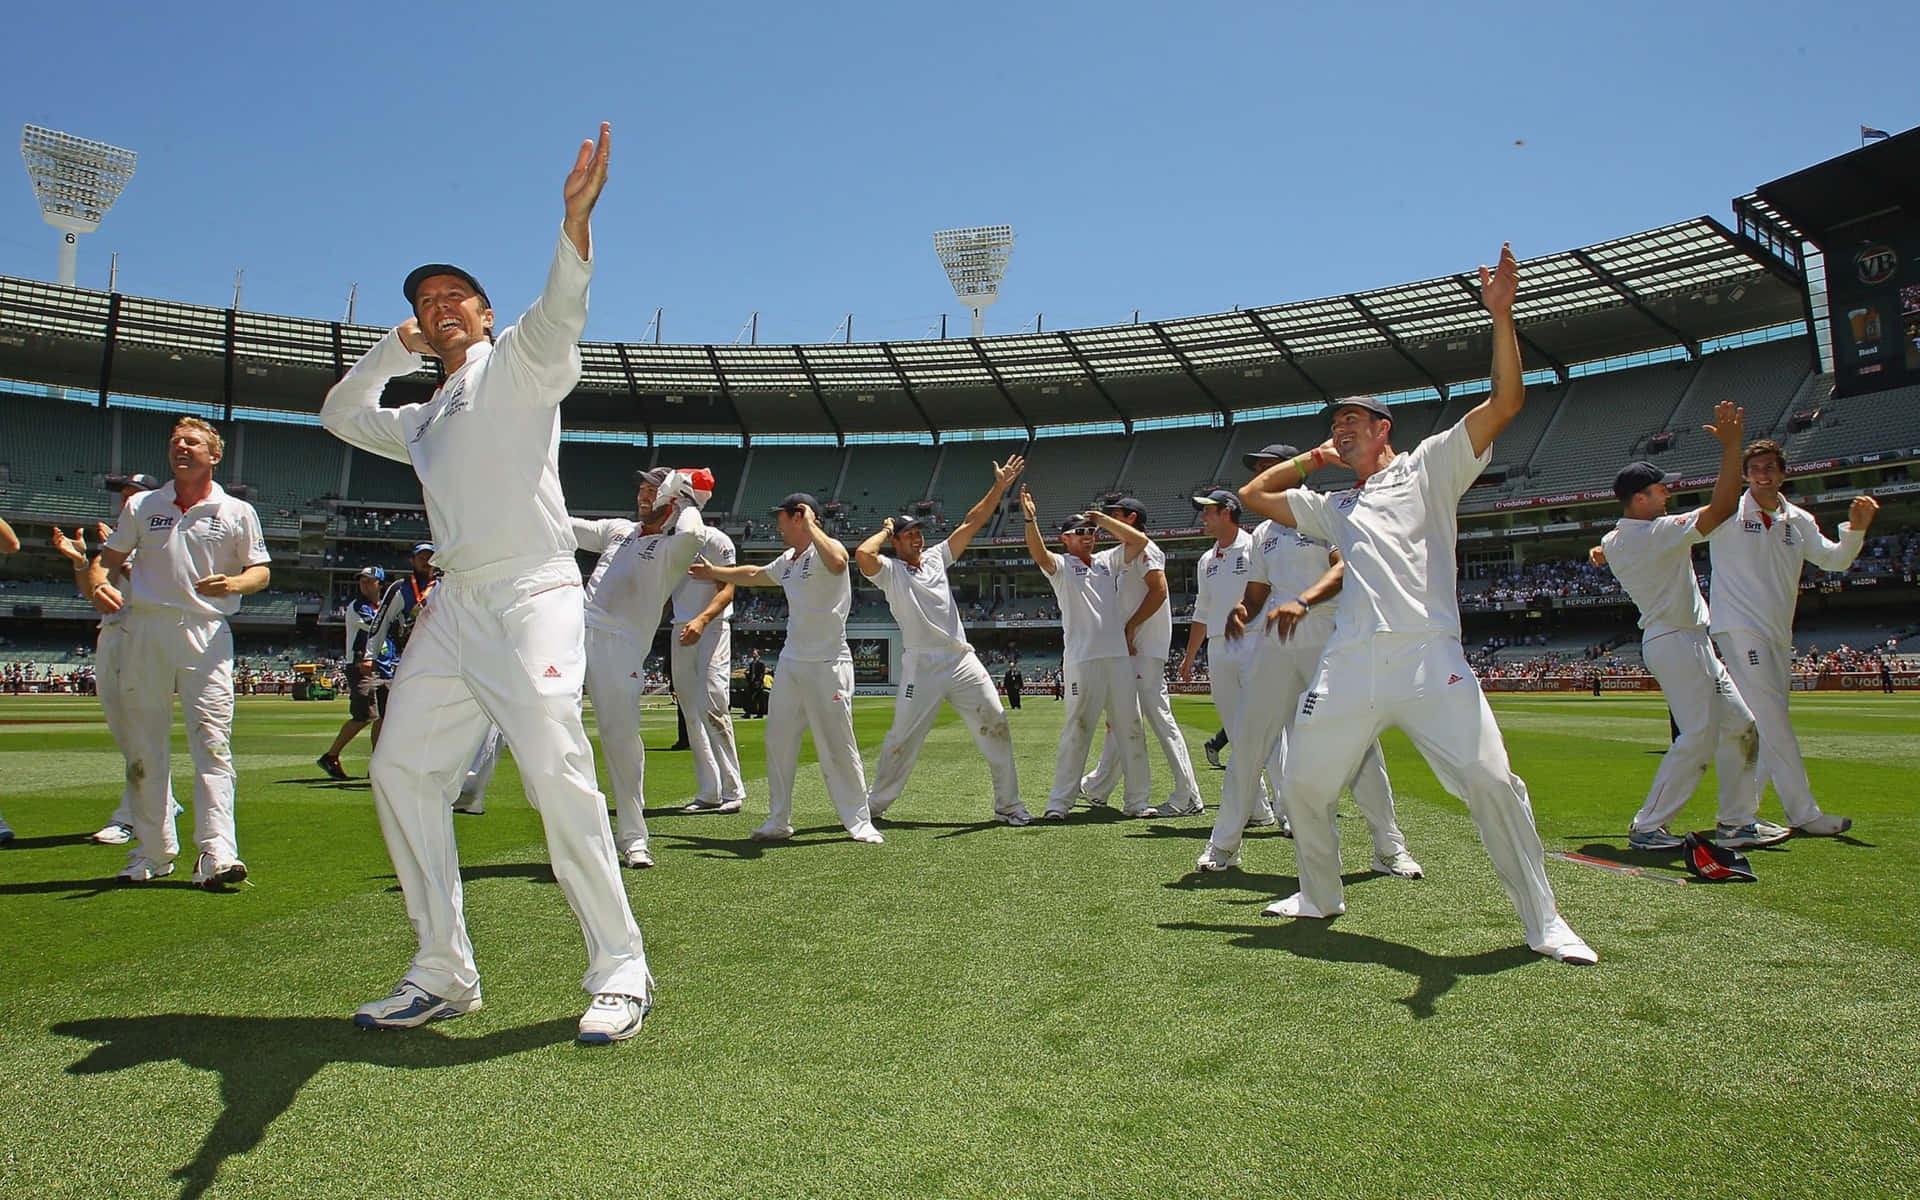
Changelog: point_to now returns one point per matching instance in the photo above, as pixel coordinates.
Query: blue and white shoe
(1660, 838)
(1752, 834)
(6, 832)
(613, 1017)
(409, 1007)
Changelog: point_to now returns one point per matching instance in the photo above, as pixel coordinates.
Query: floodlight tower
(76, 181)
(976, 261)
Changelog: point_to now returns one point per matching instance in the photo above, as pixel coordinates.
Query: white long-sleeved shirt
(1756, 566)
(1653, 560)
(637, 571)
(218, 536)
(486, 444)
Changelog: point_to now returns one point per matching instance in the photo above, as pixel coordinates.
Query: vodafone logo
(1875, 264)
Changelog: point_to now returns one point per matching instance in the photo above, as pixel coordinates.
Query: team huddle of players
(1334, 619)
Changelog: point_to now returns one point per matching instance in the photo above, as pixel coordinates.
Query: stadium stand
(288, 467)
(774, 472)
(1071, 482)
(598, 477)
(965, 470)
(1761, 379)
(1848, 425)
(728, 464)
(1594, 429)
(372, 479)
(53, 455)
(1166, 467)
(886, 479)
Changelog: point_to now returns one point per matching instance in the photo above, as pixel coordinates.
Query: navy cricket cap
(418, 547)
(902, 524)
(145, 483)
(1077, 523)
(1126, 504)
(1218, 496)
(1714, 863)
(1363, 402)
(421, 274)
(653, 475)
(793, 502)
(1638, 476)
(1260, 460)
(376, 574)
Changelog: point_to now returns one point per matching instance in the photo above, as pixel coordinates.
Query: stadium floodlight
(76, 181)
(976, 262)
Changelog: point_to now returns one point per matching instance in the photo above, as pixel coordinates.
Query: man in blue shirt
(369, 669)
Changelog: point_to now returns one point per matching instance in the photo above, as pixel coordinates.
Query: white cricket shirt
(1653, 560)
(691, 598)
(818, 601)
(486, 444)
(637, 571)
(1290, 562)
(1397, 532)
(922, 602)
(1756, 560)
(1155, 634)
(218, 536)
(1090, 620)
(1224, 571)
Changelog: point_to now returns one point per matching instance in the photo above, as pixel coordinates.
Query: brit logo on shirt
(1346, 501)
(160, 522)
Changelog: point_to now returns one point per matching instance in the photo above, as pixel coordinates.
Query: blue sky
(796, 159)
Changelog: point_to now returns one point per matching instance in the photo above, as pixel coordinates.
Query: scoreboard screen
(1873, 294)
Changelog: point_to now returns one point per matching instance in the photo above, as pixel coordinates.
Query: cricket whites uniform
(702, 675)
(1223, 575)
(1756, 558)
(178, 640)
(625, 596)
(813, 692)
(1290, 562)
(109, 651)
(501, 639)
(1653, 560)
(938, 664)
(1096, 677)
(1395, 659)
(1151, 641)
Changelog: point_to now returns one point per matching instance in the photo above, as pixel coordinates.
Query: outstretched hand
(1498, 286)
(1861, 512)
(584, 182)
(74, 548)
(1026, 504)
(1005, 473)
(1729, 423)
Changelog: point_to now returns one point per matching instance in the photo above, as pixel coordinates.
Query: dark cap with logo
(1218, 497)
(1366, 402)
(653, 475)
(904, 523)
(1637, 477)
(421, 274)
(1710, 862)
(1077, 523)
(1261, 459)
(793, 502)
(377, 574)
(1127, 504)
(117, 483)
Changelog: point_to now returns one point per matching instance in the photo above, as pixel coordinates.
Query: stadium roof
(1826, 199)
(1678, 285)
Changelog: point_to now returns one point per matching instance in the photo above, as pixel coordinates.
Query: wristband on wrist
(1302, 601)
(1299, 464)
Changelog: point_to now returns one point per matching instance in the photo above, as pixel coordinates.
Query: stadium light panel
(975, 260)
(76, 182)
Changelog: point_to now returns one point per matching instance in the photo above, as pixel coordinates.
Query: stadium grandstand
(1628, 345)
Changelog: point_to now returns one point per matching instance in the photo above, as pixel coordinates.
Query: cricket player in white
(1651, 553)
(110, 649)
(1395, 657)
(1289, 639)
(937, 663)
(9, 542)
(1757, 556)
(702, 650)
(501, 637)
(1142, 586)
(1224, 570)
(640, 565)
(1096, 670)
(200, 550)
(813, 682)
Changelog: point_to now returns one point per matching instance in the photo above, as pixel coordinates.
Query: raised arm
(388, 616)
(1729, 425)
(832, 554)
(88, 576)
(1036, 545)
(352, 412)
(1503, 404)
(983, 509)
(9, 540)
(741, 576)
(1266, 493)
(1134, 540)
(867, 553)
(1830, 555)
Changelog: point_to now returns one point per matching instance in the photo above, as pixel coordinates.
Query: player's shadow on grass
(746, 849)
(48, 841)
(332, 784)
(1434, 974)
(952, 828)
(532, 872)
(263, 1062)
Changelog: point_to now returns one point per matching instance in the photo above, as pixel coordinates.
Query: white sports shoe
(865, 832)
(1263, 815)
(1297, 905)
(613, 1017)
(144, 870)
(112, 834)
(209, 872)
(711, 806)
(1054, 812)
(1017, 815)
(1216, 859)
(637, 858)
(1562, 944)
(410, 1006)
(470, 804)
(772, 833)
(1399, 864)
(1824, 825)
(1175, 806)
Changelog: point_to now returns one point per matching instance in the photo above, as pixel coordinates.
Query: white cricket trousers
(503, 645)
(1281, 673)
(926, 682)
(473, 789)
(108, 652)
(1230, 670)
(1421, 684)
(1763, 673)
(702, 678)
(1715, 724)
(616, 680)
(1091, 687)
(1156, 711)
(818, 698)
(167, 650)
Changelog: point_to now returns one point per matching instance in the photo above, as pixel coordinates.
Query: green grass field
(971, 1009)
